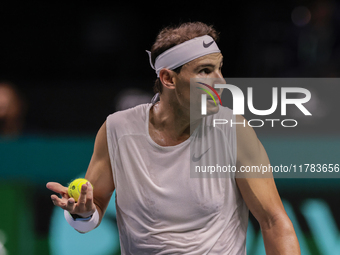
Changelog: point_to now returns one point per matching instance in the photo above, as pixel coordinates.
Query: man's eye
(205, 70)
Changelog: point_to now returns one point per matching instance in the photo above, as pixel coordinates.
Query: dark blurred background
(71, 61)
(65, 67)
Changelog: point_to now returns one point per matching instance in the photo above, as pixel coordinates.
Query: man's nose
(219, 80)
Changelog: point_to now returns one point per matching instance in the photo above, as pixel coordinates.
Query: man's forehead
(213, 58)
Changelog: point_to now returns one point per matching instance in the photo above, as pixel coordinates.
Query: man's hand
(99, 174)
(85, 206)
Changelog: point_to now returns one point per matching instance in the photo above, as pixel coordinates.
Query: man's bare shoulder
(248, 144)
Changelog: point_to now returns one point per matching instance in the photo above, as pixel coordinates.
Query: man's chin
(213, 109)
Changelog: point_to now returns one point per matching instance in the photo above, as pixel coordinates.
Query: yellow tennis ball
(74, 188)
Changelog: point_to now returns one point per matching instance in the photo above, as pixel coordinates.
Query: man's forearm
(280, 238)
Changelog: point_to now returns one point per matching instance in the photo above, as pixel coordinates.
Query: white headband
(184, 53)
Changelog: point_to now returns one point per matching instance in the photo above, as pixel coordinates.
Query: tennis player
(144, 153)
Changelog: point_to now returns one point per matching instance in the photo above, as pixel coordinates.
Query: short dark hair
(171, 36)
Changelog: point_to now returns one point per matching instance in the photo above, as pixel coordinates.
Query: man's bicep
(258, 189)
(99, 172)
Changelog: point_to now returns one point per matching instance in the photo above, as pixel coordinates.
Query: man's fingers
(82, 197)
(54, 198)
(70, 205)
(56, 187)
(84, 206)
(66, 204)
(58, 201)
(89, 197)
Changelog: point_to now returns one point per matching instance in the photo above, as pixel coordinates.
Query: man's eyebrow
(208, 65)
(204, 65)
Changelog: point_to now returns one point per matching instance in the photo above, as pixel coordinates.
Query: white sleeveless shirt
(160, 208)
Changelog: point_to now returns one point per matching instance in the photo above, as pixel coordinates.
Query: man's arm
(99, 174)
(261, 196)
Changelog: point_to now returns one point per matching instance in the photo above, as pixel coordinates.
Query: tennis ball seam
(77, 184)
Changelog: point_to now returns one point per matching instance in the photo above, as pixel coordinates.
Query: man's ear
(166, 77)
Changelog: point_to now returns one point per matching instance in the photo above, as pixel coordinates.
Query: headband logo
(206, 45)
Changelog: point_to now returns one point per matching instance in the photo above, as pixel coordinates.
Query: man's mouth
(212, 101)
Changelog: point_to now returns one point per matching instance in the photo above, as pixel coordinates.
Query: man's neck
(169, 123)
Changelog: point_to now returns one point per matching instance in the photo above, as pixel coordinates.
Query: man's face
(208, 66)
